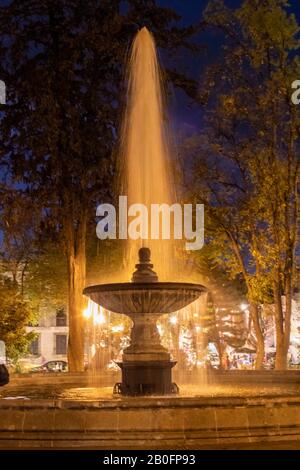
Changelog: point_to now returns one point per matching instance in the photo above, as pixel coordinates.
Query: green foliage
(46, 280)
(62, 150)
(15, 315)
(66, 125)
(247, 166)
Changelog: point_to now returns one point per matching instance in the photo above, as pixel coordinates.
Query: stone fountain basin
(153, 297)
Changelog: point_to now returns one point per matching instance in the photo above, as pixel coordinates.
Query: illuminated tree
(248, 164)
(15, 315)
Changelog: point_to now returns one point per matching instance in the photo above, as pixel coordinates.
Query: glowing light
(196, 315)
(95, 311)
(99, 317)
(198, 329)
(244, 307)
(87, 313)
(174, 320)
(117, 328)
(160, 329)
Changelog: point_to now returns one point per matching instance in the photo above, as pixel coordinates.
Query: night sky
(185, 117)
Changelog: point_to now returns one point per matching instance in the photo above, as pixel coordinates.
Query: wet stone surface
(73, 392)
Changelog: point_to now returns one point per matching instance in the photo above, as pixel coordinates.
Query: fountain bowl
(132, 298)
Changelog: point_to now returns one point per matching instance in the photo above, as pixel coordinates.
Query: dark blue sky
(184, 116)
(191, 9)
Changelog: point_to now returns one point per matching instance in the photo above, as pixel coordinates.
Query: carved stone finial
(144, 271)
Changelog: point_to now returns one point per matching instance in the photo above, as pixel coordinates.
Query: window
(61, 317)
(61, 344)
(34, 348)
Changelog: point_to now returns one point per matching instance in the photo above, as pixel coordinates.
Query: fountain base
(146, 366)
(146, 378)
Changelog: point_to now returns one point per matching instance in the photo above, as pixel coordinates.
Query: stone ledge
(151, 403)
(147, 423)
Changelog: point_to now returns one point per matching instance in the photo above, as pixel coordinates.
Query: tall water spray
(147, 173)
(147, 177)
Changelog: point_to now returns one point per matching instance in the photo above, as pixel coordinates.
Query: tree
(46, 280)
(15, 315)
(63, 62)
(222, 321)
(17, 224)
(249, 155)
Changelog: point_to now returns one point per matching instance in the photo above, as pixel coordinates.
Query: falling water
(147, 174)
(147, 167)
(147, 177)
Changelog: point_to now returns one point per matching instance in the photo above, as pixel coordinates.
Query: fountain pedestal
(146, 365)
(146, 378)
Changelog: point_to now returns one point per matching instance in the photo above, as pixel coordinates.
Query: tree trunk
(288, 313)
(260, 352)
(76, 272)
(281, 351)
(253, 307)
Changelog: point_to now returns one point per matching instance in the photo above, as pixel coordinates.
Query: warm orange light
(99, 317)
(87, 313)
(94, 311)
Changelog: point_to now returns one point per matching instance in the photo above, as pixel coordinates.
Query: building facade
(52, 338)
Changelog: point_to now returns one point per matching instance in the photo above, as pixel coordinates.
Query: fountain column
(146, 366)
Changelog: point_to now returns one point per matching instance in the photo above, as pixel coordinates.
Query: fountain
(63, 411)
(146, 366)
(146, 177)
